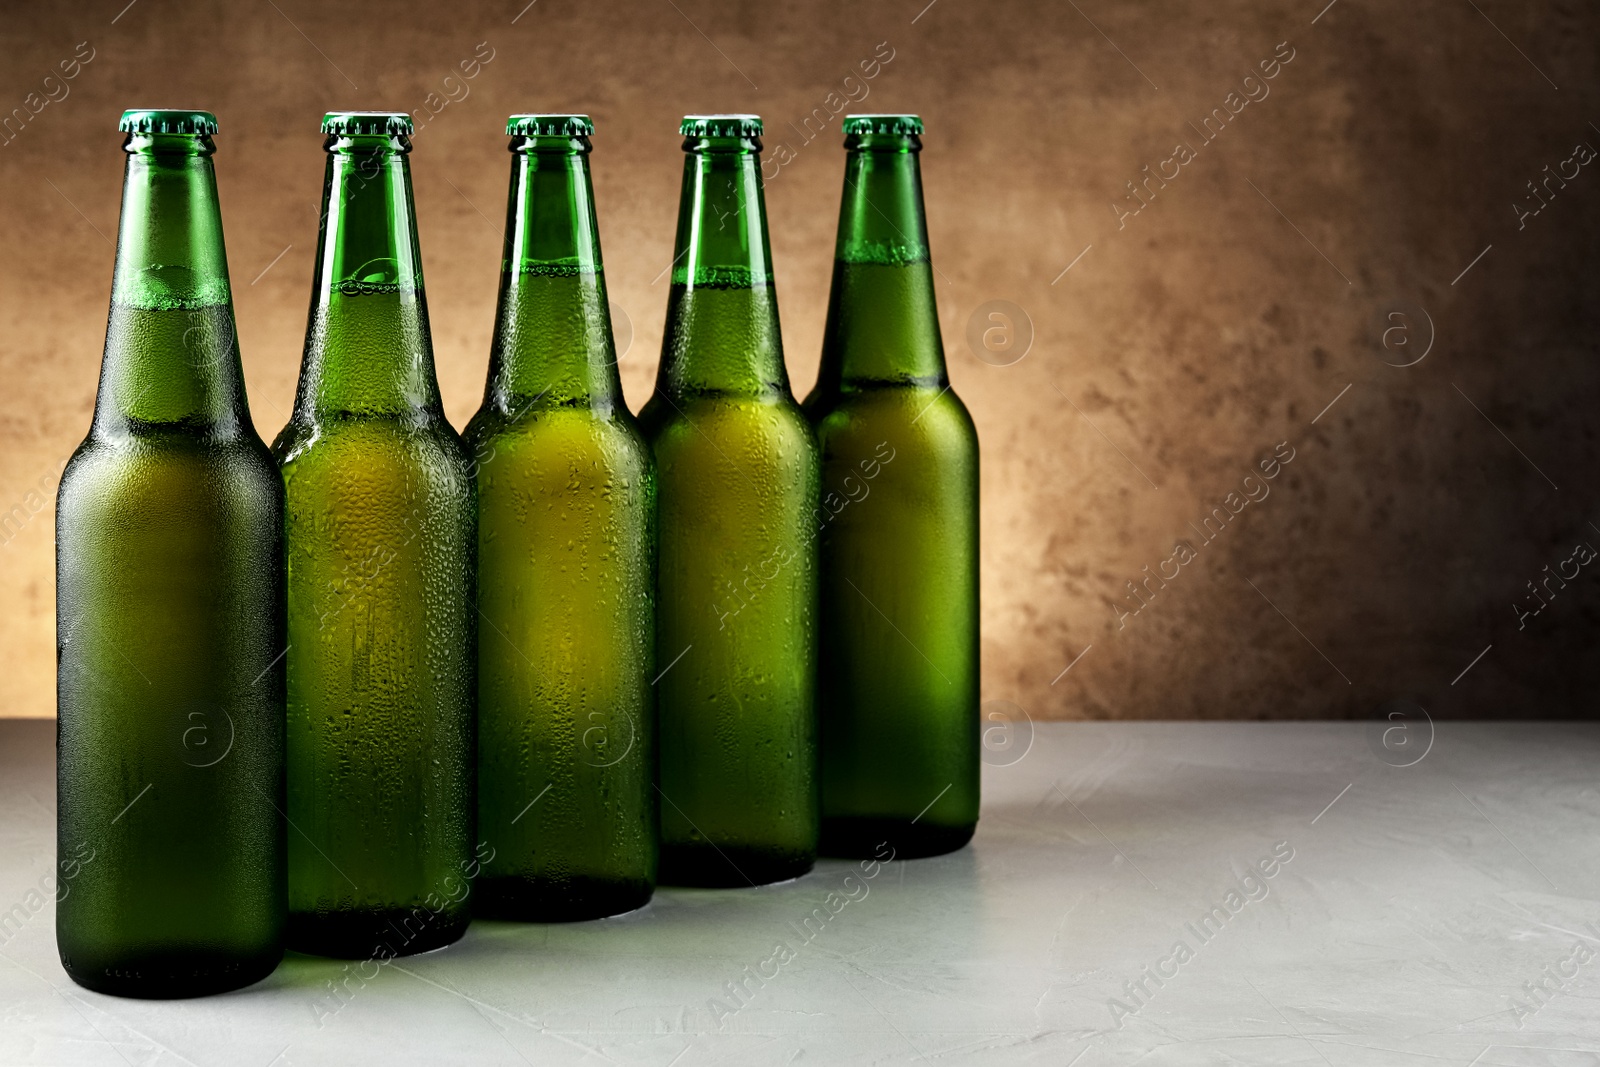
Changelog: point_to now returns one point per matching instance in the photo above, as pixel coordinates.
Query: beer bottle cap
(549, 126)
(896, 125)
(168, 120)
(367, 123)
(721, 126)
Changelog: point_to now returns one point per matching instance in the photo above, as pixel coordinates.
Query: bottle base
(573, 900)
(377, 934)
(857, 837)
(173, 975)
(730, 867)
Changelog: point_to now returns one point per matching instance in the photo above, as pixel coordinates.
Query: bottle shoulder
(112, 469)
(302, 432)
(910, 402)
(710, 415)
(561, 433)
(493, 420)
(428, 448)
(180, 444)
(910, 421)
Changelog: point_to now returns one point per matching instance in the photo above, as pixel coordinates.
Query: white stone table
(1443, 913)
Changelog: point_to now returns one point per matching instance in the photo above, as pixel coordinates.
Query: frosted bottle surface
(738, 476)
(170, 874)
(380, 537)
(566, 589)
(899, 531)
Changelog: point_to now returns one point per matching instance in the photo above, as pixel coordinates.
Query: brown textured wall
(1185, 343)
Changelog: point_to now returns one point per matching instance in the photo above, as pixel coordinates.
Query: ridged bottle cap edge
(168, 120)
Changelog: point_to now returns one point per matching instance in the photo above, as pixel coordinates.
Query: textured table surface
(1446, 912)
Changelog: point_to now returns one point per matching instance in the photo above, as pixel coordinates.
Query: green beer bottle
(169, 615)
(898, 527)
(380, 537)
(737, 587)
(566, 585)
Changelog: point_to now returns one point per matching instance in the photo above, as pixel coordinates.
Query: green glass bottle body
(379, 534)
(737, 477)
(899, 681)
(169, 615)
(566, 555)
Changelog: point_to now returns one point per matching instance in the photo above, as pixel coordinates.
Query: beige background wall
(1183, 345)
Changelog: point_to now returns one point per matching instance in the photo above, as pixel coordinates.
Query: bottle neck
(171, 356)
(553, 344)
(368, 350)
(883, 320)
(722, 333)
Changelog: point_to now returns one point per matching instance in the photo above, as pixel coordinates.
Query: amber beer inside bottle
(169, 615)
(898, 526)
(380, 569)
